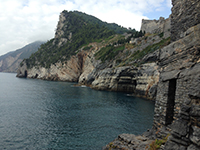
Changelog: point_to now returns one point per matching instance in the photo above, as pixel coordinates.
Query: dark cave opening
(25, 74)
(170, 102)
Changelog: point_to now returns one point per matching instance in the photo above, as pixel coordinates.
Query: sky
(26, 21)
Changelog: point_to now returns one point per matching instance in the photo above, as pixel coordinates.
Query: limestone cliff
(113, 64)
(69, 71)
(140, 81)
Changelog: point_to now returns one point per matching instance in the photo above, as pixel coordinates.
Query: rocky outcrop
(71, 70)
(61, 31)
(157, 26)
(177, 103)
(185, 14)
(177, 107)
(129, 142)
(178, 95)
(140, 81)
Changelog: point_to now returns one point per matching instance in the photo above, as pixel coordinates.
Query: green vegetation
(161, 34)
(112, 26)
(149, 49)
(84, 29)
(111, 146)
(155, 145)
(87, 48)
(109, 52)
(79, 31)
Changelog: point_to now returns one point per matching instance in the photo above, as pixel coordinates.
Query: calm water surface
(36, 114)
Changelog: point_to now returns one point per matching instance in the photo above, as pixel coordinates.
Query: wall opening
(170, 101)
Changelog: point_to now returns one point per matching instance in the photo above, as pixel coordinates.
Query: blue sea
(46, 115)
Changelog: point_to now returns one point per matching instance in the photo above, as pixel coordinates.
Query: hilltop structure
(157, 26)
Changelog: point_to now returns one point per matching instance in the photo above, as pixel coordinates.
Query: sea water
(37, 114)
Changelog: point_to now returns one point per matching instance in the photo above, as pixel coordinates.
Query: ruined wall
(157, 26)
(185, 14)
(177, 107)
(178, 94)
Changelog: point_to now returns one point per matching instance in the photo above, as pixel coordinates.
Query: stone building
(178, 94)
(157, 26)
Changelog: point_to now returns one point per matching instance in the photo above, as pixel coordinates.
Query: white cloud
(25, 21)
(169, 3)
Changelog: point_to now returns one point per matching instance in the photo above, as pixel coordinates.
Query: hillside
(10, 61)
(74, 30)
(95, 53)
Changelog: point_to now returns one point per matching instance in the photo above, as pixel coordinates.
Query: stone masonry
(178, 95)
(157, 26)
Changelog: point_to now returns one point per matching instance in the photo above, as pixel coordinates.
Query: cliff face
(140, 81)
(113, 64)
(177, 103)
(177, 109)
(185, 14)
(69, 71)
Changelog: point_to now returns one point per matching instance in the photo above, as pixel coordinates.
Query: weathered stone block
(170, 145)
(185, 14)
(169, 75)
(195, 111)
(193, 147)
(195, 136)
(180, 127)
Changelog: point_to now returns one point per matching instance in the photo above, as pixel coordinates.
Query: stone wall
(157, 26)
(178, 94)
(175, 59)
(177, 107)
(185, 14)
